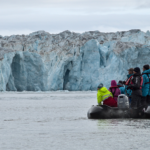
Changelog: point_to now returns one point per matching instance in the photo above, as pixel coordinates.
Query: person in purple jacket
(114, 89)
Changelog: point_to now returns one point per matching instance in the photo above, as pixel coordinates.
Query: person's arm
(99, 98)
(144, 80)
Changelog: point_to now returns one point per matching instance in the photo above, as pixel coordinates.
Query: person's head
(145, 67)
(136, 70)
(130, 71)
(113, 83)
(120, 83)
(100, 86)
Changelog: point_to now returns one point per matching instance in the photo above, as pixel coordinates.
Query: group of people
(136, 87)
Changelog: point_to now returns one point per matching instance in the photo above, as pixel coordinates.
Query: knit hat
(146, 67)
(100, 85)
(137, 70)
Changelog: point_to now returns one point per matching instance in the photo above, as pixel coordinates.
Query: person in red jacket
(114, 89)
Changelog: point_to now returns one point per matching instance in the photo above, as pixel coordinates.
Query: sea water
(58, 121)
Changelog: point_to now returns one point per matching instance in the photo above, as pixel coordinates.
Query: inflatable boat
(106, 112)
(122, 111)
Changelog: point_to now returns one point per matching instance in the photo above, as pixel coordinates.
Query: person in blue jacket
(147, 72)
(121, 87)
(146, 85)
(128, 92)
(148, 96)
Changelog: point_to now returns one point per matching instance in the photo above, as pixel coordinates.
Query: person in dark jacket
(121, 87)
(134, 83)
(145, 86)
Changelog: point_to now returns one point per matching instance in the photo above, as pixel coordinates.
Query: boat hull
(106, 112)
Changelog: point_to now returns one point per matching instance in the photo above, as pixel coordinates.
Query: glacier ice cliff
(71, 61)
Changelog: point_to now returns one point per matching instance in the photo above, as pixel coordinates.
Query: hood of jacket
(113, 83)
(103, 90)
(146, 71)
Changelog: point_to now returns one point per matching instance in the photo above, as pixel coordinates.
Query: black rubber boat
(106, 112)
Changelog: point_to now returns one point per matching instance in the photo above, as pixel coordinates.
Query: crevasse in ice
(71, 61)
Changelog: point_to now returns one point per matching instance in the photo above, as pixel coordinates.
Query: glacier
(70, 61)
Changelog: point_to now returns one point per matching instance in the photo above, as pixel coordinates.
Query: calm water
(58, 121)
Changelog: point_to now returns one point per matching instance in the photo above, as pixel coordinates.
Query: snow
(70, 61)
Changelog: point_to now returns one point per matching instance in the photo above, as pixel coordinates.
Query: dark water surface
(58, 121)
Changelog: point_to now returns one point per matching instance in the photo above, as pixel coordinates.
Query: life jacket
(129, 81)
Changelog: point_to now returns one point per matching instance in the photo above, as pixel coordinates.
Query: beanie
(100, 85)
(137, 70)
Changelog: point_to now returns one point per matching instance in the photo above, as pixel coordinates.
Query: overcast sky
(54, 16)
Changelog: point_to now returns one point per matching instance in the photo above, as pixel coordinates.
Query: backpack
(123, 101)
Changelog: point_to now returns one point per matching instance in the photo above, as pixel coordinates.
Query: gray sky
(54, 16)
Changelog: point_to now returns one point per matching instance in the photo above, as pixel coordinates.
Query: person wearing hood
(121, 87)
(146, 72)
(145, 86)
(114, 90)
(105, 97)
(135, 83)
